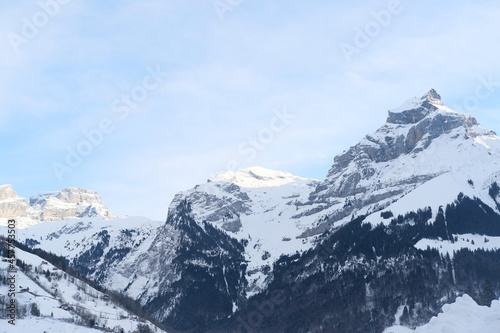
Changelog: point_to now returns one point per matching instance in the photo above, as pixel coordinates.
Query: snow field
(462, 316)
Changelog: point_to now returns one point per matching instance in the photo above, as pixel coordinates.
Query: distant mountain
(50, 206)
(404, 222)
(12, 205)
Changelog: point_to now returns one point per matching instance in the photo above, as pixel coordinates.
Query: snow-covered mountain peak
(258, 177)
(49, 298)
(68, 195)
(415, 109)
(6, 192)
(421, 141)
(11, 204)
(433, 97)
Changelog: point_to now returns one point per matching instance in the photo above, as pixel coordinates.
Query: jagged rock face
(421, 109)
(51, 206)
(393, 158)
(403, 132)
(7, 192)
(224, 211)
(70, 202)
(11, 204)
(251, 205)
(203, 280)
(384, 146)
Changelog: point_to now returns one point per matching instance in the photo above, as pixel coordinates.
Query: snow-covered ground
(65, 303)
(462, 316)
(454, 164)
(47, 324)
(72, 237)
(464, 241)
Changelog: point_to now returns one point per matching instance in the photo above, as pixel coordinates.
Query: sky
(139, 100)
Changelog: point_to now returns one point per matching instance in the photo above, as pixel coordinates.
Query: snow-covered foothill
(70, 238)
(64, 303)
(464, 241)
(462, 316)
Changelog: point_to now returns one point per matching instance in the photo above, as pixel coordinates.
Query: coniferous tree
(143, 328)
(469, 291)
(494, 190)
(35, 310)
(405, 317)
(488, 293)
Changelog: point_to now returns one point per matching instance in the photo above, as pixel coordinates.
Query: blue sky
(285, 85)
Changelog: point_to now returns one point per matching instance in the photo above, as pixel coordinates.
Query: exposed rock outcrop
(11, 204)
(51, 206)
(70, 202)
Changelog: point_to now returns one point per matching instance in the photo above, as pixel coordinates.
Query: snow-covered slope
(49, 300)
(256, 205)
(50, 206)
(463, 241)
(462, 316)
(122, 244)
(425, 155)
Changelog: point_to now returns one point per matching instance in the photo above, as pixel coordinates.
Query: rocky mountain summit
(50, 206)
(421, 140)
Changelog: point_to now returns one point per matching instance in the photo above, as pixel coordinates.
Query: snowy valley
(51, 300)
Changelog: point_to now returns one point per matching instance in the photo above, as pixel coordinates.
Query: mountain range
(406, 221)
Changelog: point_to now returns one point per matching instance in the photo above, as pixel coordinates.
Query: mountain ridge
(50, 206)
